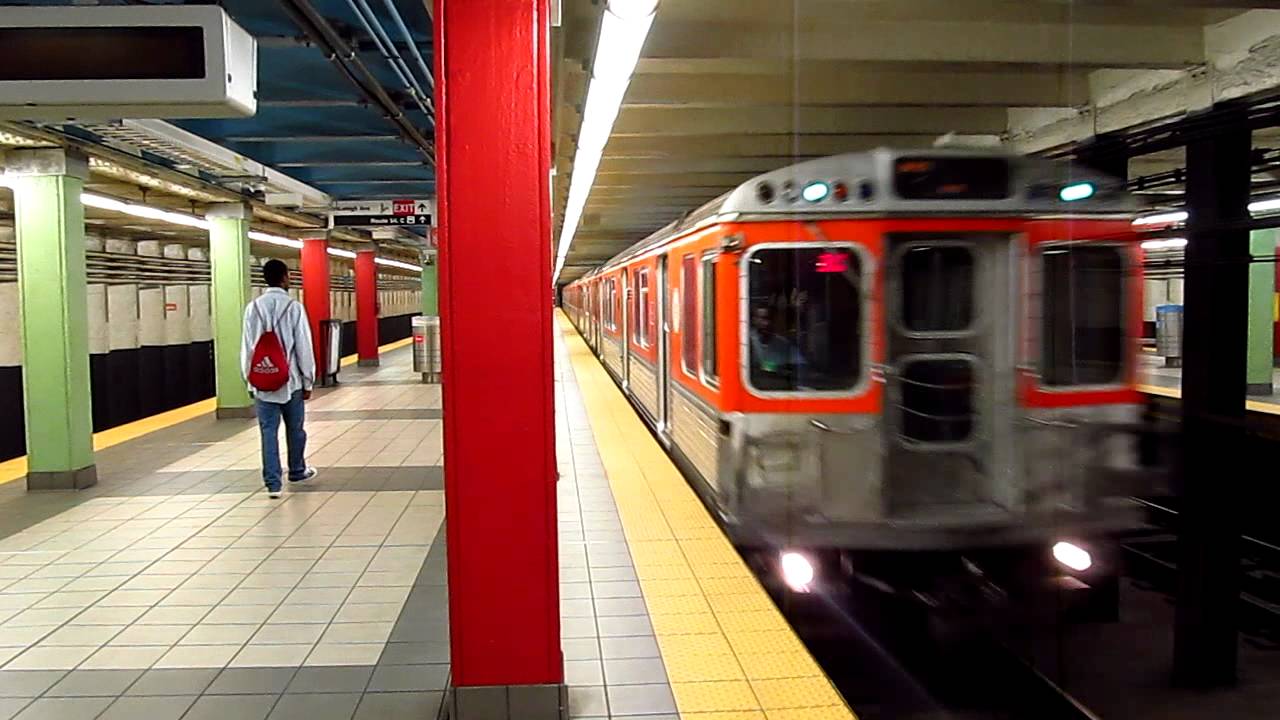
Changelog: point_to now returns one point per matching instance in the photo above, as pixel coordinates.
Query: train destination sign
(409, 212)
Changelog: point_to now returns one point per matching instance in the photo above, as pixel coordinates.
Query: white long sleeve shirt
(291, 326)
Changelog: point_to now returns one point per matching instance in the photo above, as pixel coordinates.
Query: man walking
(277, 340)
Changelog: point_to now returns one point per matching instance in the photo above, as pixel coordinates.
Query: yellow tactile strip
(1252, 405)
(729, 653)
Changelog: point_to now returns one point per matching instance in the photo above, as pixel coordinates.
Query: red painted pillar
(315, 295)
(495, 305)
(367, 308)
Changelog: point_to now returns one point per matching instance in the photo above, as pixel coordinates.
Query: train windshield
(806, 319)
(1083, 324)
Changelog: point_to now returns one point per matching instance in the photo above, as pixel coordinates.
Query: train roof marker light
(1076, 191)
(623, 29)
(816, 191)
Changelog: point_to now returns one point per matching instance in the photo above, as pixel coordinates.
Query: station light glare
(339, 252)
(1076, 191)
(797, 571)
(623, 30)
(397, 264)
(1072, 556)
(1165, 218)
(1268, 205)
(816, 191)
(1165, 244)
(275, 239)
(143, 211)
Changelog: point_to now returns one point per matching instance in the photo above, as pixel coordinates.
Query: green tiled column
(229, 264)
(430, 294)
(1262, 289)
(53, 293)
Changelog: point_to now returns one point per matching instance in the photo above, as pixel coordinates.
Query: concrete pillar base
(366, 362)
(235, 413)
(1260, 389)
(85, 477)
(508, 702)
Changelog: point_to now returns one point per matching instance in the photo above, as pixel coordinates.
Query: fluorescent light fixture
(275, 239)
(143, 211)
(397, 264)
(1165, 244)
(339, 252)
(1268, 205)
(1165, 218)
(623, 30)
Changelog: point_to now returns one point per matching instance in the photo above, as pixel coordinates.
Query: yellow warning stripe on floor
(729, 653)
(353, 359)
(1253, 405)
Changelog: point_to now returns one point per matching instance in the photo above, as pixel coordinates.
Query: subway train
(912, 371)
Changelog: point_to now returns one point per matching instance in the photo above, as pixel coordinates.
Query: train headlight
(816, 191)
(797, 571)
(1076, 191)
(1072, 556)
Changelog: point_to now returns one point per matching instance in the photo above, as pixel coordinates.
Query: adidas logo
(266, 367)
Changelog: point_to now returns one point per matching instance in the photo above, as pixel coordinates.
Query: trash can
(426, 347)
(1169, 334)
(330, 352)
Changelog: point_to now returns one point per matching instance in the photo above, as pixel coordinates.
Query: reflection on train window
(937, 288)
(1083, 323)
(937, 400)
(689, 314)
(709, 370)
(806, 319)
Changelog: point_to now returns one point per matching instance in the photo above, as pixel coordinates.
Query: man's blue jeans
(295, 437)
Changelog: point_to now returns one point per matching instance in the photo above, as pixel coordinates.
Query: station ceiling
(728, 89)
(312, 125)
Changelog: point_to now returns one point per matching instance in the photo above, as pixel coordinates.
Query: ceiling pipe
(346, 60)
(408, 38)
(389, 53)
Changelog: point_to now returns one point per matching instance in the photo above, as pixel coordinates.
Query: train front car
(905, 371)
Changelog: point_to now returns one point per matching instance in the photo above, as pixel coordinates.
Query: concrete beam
(838, 83)
(651, 121)
(979, 40)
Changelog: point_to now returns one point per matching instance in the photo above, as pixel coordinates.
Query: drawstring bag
(269, 368)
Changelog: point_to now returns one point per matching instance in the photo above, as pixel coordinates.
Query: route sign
(407, 212)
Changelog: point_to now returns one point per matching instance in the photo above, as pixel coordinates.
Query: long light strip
(623, 30)
(397, 264)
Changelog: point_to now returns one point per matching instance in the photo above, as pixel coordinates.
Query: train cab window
(1082, 329)
(805, 313)
(689, 314)
(937, 288)
(709, 370)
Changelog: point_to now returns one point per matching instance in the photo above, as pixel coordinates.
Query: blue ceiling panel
(313, 122)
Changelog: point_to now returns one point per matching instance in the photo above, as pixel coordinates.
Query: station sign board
(406, 212)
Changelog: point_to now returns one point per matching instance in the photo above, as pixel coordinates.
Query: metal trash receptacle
(426, 348)
(1169, 334)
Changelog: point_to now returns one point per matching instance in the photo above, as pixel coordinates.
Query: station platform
(175, 589)
(1156, 379)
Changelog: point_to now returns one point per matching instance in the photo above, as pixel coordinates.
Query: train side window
(805, 313)
(641, 332)
(689, 314)
(709, 370)
(937, 288)
(1082, 324)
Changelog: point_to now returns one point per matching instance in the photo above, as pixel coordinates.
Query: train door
(627, 293)
(664, 348)
(949, 367)
(601, 313)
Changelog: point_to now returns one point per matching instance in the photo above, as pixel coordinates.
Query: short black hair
(274, 272)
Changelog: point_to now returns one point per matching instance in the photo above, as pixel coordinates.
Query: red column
(367, 308)
(315, 295)
(495, 307)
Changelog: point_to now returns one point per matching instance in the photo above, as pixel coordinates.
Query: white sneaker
(273, 494)
(310, 473)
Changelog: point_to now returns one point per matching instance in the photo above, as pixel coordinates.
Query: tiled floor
(177, 589)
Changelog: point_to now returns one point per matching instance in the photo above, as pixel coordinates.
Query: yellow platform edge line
(16, 468)
(725, 646)
(353, 359)
(1254, 405)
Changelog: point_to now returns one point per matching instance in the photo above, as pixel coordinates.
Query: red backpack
(269, 368)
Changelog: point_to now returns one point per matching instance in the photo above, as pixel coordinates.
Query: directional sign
(382, 213)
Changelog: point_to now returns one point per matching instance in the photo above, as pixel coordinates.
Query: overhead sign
(408, 212)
